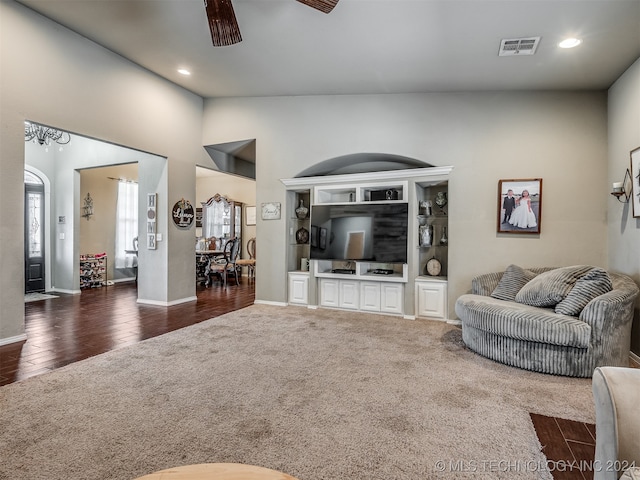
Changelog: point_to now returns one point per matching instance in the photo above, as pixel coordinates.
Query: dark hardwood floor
(569, 446)
(69, 328)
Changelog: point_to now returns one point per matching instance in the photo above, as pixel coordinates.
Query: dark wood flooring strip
(70, 328)
(568, 445)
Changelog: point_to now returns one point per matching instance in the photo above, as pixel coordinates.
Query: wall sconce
(623, 188)
(87, 209)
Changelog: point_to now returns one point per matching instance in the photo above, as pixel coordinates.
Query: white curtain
(126, 223)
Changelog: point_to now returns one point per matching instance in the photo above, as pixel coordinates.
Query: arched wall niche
(362, 163)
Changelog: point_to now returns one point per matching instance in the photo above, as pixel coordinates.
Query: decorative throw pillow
(549, 288)
(592, 285)
(513, 279)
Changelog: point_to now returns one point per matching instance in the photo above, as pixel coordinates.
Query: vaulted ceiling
(365, 46)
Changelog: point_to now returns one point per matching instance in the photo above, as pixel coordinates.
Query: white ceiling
(365, 46)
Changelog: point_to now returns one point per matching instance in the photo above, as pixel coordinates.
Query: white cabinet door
(391, 298)
(370, 296)
(329, 296)
(432, 299)
(298, 288)
(349, 294)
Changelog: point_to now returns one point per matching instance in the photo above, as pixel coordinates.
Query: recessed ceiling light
(570, 43)
(184, 71)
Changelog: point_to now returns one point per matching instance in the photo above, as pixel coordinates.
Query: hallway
(70, 328)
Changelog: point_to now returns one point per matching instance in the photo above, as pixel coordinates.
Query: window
(126, 223)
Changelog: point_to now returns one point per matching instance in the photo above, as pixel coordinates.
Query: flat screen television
(375, 232)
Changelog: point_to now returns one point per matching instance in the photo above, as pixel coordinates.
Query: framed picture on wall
(635, 181)
(250, 215)
(520, 205)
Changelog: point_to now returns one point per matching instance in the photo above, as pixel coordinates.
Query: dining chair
(250, 262)
(226, 264)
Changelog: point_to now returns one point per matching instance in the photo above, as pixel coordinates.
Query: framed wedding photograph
(635, 181)
(519, 206)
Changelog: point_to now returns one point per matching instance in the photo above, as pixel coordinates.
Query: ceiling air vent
(518, 46)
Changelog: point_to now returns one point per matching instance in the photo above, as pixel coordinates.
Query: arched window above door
(32, 178)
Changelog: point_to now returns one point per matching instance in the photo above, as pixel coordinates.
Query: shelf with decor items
(360, 270)
(93, 270)
(433, 230)
(365, 192)
(298, 218)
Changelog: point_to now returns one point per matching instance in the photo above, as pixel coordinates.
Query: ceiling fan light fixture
(222, 23)
(324, 6)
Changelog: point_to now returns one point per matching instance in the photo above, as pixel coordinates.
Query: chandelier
(44, 135)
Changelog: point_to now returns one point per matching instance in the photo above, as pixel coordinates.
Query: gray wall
(624, 136)
(558, 136)
(78, 86)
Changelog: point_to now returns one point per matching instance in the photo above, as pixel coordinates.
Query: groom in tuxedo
(509, 204)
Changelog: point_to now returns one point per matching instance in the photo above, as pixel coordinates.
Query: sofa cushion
(523, 322)
(592, 285)
(550, 288)
(513, 279)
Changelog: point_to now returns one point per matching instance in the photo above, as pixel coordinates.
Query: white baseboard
(409, 317)
(126, 279)
(17, 338)
(267, 302)
(161, 303)
(64, 290)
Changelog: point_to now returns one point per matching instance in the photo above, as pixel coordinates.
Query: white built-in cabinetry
(431, 298)
(381, 297)
(407, 290)
(299, 288)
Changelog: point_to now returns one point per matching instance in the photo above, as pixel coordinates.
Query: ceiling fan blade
(323, 5)
(222, 23)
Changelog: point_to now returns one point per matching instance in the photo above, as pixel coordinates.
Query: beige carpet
(317, 394)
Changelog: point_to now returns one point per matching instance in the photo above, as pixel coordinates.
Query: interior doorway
(34, 234)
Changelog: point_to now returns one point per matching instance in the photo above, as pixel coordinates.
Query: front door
(34, 237)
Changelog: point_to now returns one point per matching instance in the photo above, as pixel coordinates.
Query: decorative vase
(302, 211)
(443, 238)
(426, 235)
(302, 235)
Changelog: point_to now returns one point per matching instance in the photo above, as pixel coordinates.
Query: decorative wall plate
(183, 213)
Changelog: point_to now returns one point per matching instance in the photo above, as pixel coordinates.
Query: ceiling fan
(224, 27)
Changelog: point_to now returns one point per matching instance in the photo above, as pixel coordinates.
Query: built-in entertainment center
(357, 242)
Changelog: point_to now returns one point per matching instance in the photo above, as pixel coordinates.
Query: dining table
(203, 263)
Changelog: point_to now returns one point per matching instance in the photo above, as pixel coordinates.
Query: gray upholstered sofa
(563, 321)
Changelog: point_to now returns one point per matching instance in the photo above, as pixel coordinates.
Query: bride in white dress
(523, 216)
